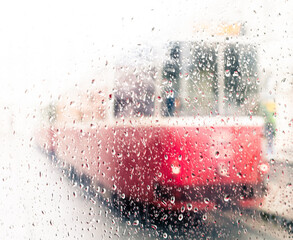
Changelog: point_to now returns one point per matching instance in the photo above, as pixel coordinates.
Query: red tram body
(191, 163)
(172, 167)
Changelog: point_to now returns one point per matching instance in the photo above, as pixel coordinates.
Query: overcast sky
(48, 46)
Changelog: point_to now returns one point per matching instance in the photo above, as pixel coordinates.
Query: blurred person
(268, 110)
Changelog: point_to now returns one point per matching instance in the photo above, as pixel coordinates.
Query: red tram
(184, 134)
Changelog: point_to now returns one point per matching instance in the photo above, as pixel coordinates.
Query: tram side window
(240, 80)
(86, 107)
(68, 110)
(93, 106)
(135, 92)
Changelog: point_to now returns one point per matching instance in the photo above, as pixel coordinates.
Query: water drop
(235, 74)
(182, 209)
(154, 227)
(227, 73)
(227, 198)
(189, 206)
(136, 222)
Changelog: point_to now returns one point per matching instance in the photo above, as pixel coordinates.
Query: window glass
(135, 75)
(85, 107)
(171, 82)
(241, 80)
(146, 119)
(135, 92)
(202, 83)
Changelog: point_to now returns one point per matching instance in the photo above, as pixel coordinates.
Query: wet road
(39, 201)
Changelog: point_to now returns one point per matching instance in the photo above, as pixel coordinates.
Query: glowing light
(229, 29)
(175, 170)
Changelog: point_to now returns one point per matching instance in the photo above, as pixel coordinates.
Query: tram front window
(189, 80)
(171, 81)
(241, 89)
(192, 80)
(201, 82)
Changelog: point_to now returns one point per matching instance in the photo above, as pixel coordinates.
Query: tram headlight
(175, 169)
